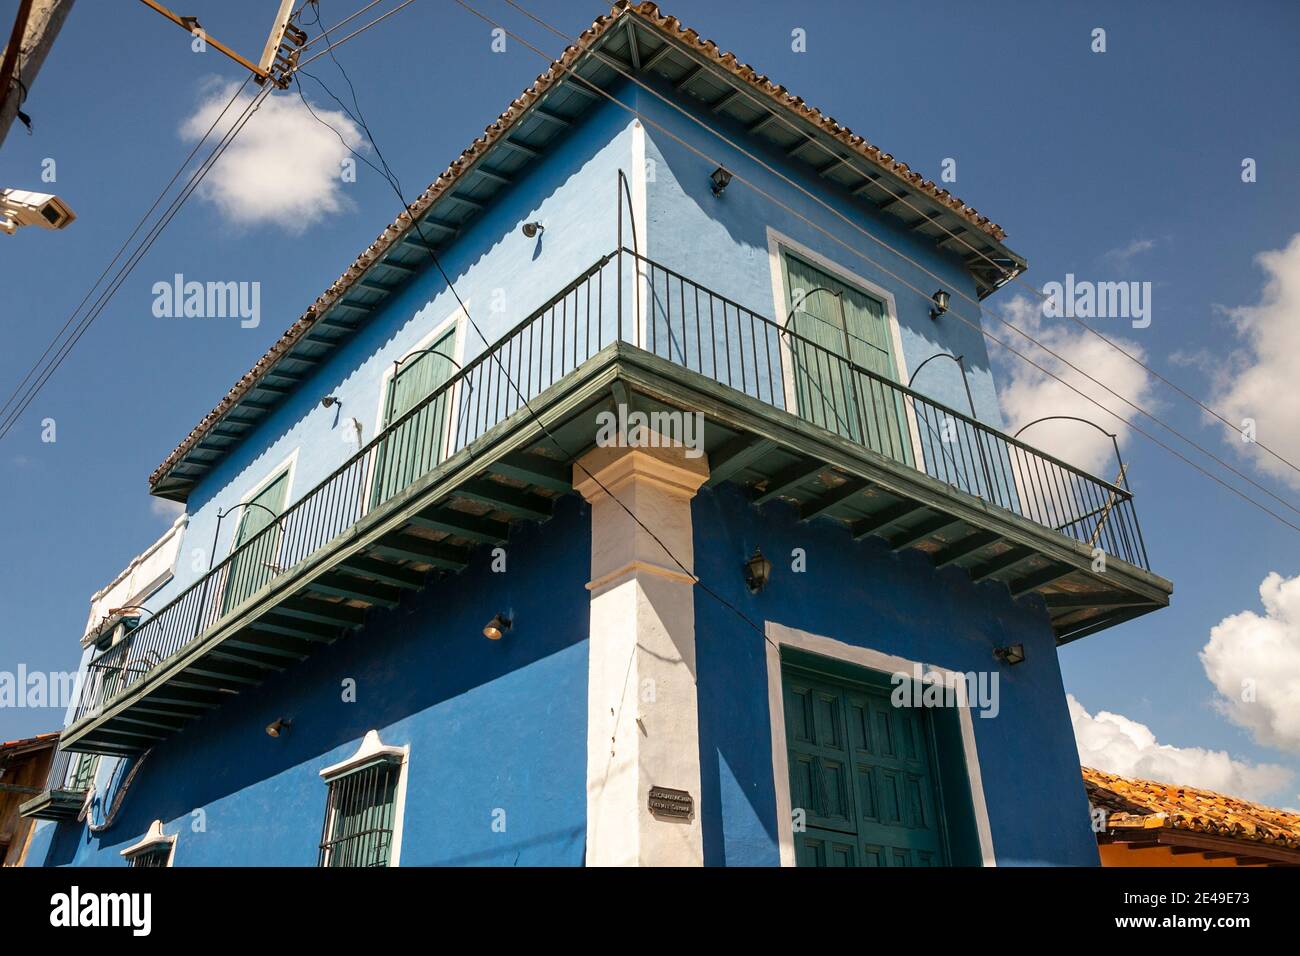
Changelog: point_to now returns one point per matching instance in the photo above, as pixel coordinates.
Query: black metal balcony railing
(71, 772)
(689, 325)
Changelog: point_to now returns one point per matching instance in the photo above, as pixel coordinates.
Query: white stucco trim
(153, 839)
(371, 750)
(144, 575)
(779, 635)
(638, 211)
(776, 241)
(288, 466)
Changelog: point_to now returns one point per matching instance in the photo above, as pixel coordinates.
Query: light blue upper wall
(722, 243)
(502, 277)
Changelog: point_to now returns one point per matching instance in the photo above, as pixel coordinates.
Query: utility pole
(279, 57)
(37, 24)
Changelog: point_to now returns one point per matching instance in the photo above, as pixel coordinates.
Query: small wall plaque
(667, 802)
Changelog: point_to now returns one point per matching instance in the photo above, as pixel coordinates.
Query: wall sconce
(278, 726)
(720, 178)
(1010, 655)
(940, 300)
(532, 229)
(497, 627)
(329, 401)
(758, 571)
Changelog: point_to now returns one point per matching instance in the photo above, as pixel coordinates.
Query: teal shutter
(864, 774)
(415, 445)
(254, 560)
(847, 323)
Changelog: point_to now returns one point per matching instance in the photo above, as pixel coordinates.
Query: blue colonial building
(592, 517)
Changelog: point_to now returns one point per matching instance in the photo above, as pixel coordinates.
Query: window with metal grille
(154, 856)
(359, 815)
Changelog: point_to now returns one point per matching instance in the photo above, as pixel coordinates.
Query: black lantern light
(278, 726)
(758, 570)
(720, 178)
(531, 229)
(940, 300)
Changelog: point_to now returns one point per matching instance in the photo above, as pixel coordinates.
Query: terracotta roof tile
(1147, 804)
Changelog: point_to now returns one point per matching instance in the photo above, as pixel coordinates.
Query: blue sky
(1117, 165)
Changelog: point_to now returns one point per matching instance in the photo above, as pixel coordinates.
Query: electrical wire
(149, 212)
(1008, 275)
(974, 325)
(135, 258)
(569, 455)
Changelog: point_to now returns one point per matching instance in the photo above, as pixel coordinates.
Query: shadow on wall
(491, 724)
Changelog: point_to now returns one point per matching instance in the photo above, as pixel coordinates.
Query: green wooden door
(836, 318)
(415, 445)
(865, 774)
(253, 566)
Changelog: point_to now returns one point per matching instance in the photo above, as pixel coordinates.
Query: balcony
(784, 416)
(70, 776)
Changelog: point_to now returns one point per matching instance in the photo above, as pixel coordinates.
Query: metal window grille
(359, 817)
(157, 855)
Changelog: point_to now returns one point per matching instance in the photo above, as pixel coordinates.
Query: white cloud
(1115, 744)
(284, 167)
(1259, 380)
(1028, 394)
(1258, 658)
(1122, 254)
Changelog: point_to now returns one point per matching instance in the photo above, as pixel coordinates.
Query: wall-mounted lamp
(532, 229)
(278, 726)
(940, 300)
(758, 571)
(497, 627)
(720, 178)
(1010, 655)
(329, 401)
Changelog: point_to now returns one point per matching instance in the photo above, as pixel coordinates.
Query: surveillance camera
(19, 207)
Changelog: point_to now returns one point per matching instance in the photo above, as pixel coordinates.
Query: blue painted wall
(863, 594)
(491, 724)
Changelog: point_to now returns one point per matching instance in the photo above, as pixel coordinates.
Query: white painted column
(642, 714)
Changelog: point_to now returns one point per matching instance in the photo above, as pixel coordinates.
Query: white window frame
(458, 320)
(371, 750)
(152, 840)
(778, 241)
(288, 467)
(779, 636)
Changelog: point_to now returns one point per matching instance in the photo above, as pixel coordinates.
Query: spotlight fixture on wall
(497, 627)
(1011, 654)
(940, 300)
(329, 401)
(721, 178)
(278, 726)
(758, 571)
(532, 229)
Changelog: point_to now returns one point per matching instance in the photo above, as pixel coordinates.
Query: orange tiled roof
(1146, 804)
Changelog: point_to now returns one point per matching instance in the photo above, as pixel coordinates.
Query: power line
(176, 175)
(1008, 275)
(491, 353)
(974, 325)
(135, 258)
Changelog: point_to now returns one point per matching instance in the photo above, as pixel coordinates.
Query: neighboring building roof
(1147, 805)
(643, 40)
(40, 742)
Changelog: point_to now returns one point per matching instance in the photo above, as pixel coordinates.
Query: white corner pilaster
(642, 714)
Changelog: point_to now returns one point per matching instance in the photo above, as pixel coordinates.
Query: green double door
(864, 774)
(414, 445)
(256, 554)
(832, 322)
